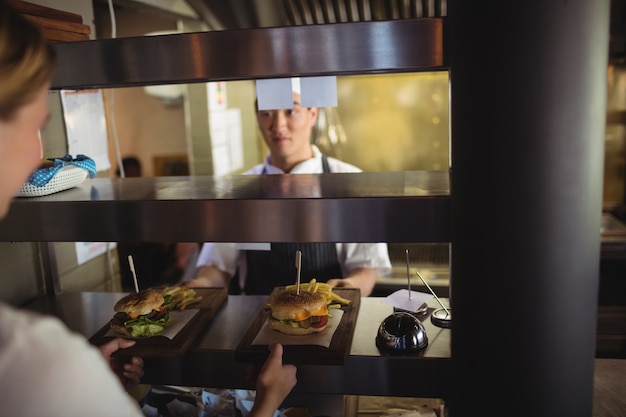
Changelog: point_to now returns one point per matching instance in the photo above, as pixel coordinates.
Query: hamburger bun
(121, 329)
(287, 304)
(296, 331)
(141, 303)
(298, 314)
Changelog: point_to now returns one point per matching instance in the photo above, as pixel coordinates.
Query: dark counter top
(210, 362)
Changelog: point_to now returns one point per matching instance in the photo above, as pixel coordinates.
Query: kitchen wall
(393, 122)
(144, 126)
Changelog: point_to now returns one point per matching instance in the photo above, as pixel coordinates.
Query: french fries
(322, 288)
(181, 297)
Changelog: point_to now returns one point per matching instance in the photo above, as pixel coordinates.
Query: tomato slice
(323, 320)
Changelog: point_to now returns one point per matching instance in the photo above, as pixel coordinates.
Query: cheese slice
(306, 314)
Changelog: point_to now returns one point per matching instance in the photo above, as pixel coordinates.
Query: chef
(258, 270)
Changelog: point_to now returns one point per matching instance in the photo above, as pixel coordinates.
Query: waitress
(287, 134)
(47, 369)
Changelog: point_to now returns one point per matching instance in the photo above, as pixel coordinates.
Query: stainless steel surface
(344, 48)
(210, 361)
(358, 207)
(243, 14)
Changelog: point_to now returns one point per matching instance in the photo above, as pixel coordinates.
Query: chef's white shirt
(49, 371)
(228, 257)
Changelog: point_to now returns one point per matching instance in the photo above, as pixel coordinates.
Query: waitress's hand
(273, 383)
(128, 370)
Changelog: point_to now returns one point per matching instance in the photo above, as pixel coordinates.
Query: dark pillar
(528, 83)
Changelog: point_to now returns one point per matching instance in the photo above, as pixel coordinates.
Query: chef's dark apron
(276, 267)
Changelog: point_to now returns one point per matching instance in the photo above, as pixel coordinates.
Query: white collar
(312, 165)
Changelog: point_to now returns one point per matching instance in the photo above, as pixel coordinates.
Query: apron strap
(325, 166)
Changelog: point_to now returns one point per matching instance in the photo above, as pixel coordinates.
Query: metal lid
(401, 332)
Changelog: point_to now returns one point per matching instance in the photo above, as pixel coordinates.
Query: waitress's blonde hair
(27, 60)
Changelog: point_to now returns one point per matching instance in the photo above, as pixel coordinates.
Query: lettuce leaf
(144, 327)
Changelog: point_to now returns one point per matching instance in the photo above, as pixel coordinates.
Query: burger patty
(120, 318)
(314, 321)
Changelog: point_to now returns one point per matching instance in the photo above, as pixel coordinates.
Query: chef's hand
(128, 370)
(273, 384)
(200, 282)
(208, 276)
(339, 283)
(362, 278)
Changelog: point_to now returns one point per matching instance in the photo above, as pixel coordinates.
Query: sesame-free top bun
(287, 304)
(142, 302)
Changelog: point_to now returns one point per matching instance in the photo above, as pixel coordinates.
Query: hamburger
(298, 314)
(141, 314)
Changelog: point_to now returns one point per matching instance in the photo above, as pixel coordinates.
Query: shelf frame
(401, 207)
(393, 46)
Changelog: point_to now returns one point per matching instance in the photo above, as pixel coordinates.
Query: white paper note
(318, 91)
(274, 94)
(400, 299)
(85, 124)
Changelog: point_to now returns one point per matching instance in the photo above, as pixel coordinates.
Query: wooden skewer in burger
(143, 313)
(298, 312)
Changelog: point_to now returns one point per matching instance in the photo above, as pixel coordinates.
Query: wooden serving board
(160, 346)
(306, 354)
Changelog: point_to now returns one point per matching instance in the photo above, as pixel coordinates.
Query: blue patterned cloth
(42, 176)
